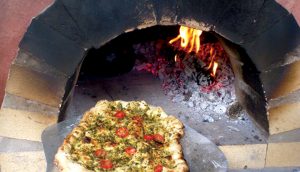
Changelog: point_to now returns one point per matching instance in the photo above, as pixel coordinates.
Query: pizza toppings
(106, 164)
(127, 137)
(122, 132)
(158, 168)
(130, 150)
(159, 138)
(137, 120)
(148, 137)
(100, 153)
(120, 114)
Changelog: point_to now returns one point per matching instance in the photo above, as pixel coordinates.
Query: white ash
(209, 101)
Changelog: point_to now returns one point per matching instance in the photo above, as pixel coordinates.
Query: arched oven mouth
(240, 86)
(197, 86)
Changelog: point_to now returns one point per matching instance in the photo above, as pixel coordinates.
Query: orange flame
(190, 41)
(212, 63)
(190, 38)
(214, 71)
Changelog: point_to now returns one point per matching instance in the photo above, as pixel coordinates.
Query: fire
(190, 41)
(214, 70)
(213, 64)
(190, 38)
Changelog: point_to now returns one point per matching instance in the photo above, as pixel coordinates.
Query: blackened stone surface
(59, 18)
(270, 48)
(253, 103)
(245, 20)
(103, 20)
(166, 11)
(52, 48)
(25, 59)
(206, 12)
(237, 18)
(281, 81)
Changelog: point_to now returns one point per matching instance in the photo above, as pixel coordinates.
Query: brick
(284, 118)
(19, 103)
(23, 161)
(283, 155)
(281, 81)
(36, 86)
(51, 47)
(24, 125)
(245, 156)
(102, 21)
(274, 45)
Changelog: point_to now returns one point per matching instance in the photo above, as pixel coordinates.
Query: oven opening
(187, 72)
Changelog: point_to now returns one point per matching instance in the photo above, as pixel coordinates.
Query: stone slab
(102, 21)
(272, 46)
(245, 156)
(284, 118)
(20, 103)
(283, 155)
(24, 125)
(289, 136)
(201, 14)
(59, 19)
(281, 81)
(25, 59)
(33, 161)
(166, 11)
(52, 47)
(19, 145)
(35, 86)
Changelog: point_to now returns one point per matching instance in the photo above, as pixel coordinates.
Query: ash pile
(203, 81)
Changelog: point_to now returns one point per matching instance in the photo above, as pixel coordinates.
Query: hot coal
(187, 78)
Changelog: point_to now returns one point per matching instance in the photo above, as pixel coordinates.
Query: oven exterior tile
(24, 125)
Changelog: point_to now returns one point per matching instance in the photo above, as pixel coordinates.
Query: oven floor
(143, 86)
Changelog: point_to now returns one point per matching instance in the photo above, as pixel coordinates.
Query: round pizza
(123, 136)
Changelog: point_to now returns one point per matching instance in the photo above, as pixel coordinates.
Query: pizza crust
(171, 123)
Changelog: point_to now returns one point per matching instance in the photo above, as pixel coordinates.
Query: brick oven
(261, 39)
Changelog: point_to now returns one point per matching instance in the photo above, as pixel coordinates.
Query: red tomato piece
(159, 138)
(100, 153)
(148, 137)
(120, 114)
(122, 132)
(137, 119)
(106, 164)
(158, 168)
(130, 150)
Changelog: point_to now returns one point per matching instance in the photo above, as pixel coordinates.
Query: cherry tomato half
(159, 138)
(100, 153)
(158, 168)
(148, 137)
(120, 114)
(130, 150)
(122, 132)
(106, 164)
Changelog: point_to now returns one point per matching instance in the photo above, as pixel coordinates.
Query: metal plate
(199, 152)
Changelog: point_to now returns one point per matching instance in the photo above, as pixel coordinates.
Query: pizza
(123, 136)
